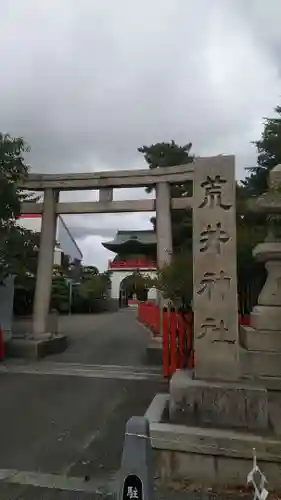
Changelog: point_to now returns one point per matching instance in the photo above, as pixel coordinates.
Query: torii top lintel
(115, 179)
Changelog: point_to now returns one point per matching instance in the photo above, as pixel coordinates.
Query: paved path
(63, 418)
(109, 338)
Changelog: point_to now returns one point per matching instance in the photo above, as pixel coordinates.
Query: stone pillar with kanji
(214, 266)
(215, 394)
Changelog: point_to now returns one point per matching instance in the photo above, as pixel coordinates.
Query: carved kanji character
(217, 329)
(209, 281)
(213, 193)
(212, 238)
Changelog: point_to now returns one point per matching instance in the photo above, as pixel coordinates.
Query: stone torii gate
(105, 183)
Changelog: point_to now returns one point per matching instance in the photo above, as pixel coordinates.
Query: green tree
(19, 252)
(16, 244)
(252, 227)
(13, 171)
(94, 291)
(168, 154)
(89, 271)
(95, 286)
(138, 283)
(175, 280)
(269, 155)
(60, 294)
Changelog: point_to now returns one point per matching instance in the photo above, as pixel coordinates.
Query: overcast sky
(87, 82)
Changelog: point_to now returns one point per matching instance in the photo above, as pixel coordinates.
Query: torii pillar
(43, 288)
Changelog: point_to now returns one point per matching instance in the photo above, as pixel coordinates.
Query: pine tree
(169, 154)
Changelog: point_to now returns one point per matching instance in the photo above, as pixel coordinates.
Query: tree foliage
(60, 294)
(94, 287)
(18, 247)
(89, 272)
(252, 228)
(13, 170)
(88, 295)
(137, 283)
(167, 154)
(269, 155)
(19, 252)
(175, 280)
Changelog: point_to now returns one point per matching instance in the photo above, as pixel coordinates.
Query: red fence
(177, 342)
(177, 335)
(177, 351)
(149, 315)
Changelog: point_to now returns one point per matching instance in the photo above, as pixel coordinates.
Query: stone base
(260, 340)
(260, 364)
(209, 457)
(266, 318)
(271, 383)
(36, 348)
(217, 404)
(154, 351)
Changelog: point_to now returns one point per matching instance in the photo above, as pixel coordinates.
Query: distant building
(66, 244)
(135, 251)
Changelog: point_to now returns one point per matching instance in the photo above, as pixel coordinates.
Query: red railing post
(177, 331)
(177, 344)
(173, 342)
(165, 345)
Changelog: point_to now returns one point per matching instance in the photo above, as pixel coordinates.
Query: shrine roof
(147, 237)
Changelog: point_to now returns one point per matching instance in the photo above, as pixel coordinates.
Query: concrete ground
(63, 418)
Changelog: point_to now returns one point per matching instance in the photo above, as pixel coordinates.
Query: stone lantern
(261, 356)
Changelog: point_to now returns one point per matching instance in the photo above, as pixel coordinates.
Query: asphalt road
(62, 419)
(109, 338)
(57, 419)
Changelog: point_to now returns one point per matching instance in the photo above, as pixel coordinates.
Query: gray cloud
(83, 232)
(86, 83)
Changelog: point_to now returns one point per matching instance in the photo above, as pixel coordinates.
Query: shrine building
(135, 251)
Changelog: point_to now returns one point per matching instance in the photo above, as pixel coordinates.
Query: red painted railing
(177, 349)
(149, 315)
(131, 263)
(177, 335)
